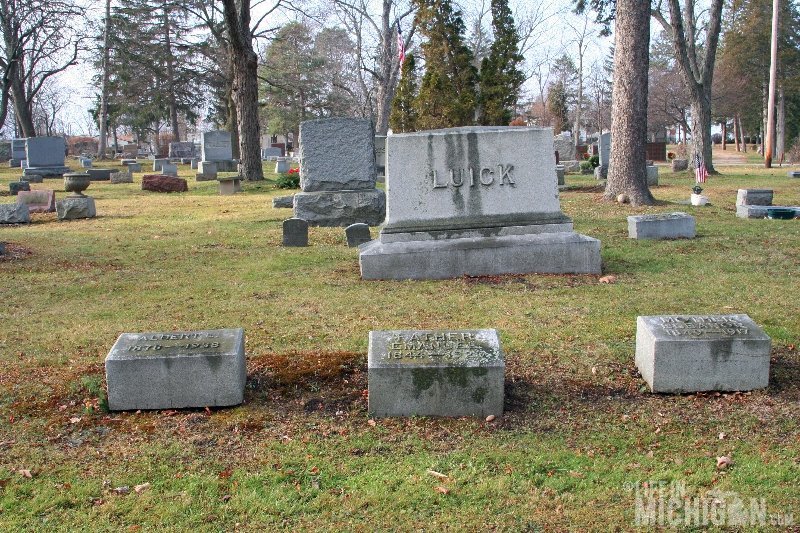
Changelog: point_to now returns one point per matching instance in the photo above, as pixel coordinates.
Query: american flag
(700, 172)
(401, 46)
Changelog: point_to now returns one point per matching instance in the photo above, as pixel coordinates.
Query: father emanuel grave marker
(436, 373)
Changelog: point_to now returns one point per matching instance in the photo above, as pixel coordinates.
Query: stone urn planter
(76, 183)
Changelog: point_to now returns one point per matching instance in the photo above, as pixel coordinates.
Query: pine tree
(500, 76)
(404, 116)
(447, 95)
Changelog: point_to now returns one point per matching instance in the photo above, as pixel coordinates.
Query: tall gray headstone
(605, 150)
(474, 201)
(45, 156)
(217, 146)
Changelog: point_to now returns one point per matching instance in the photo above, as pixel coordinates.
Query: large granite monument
(337, 174)
(474, 201)
(45, 156)
(181, 150)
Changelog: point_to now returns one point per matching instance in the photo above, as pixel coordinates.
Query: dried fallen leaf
(490, 418)
(314, 471)
(442, 490)
(138, 489)
(371, 422)
(722, 436)
(438, 475)
(226, 497)
(723, 462)
(608, 279)
(225, 474)
(74, 420)
(24, 472)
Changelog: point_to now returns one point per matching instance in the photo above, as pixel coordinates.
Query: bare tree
(696, 62)
(35, 47)
(582, 39)
(103, 119)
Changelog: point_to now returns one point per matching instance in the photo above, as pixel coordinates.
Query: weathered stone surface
(229, 185)
(565, 146)
(662, 226)
(760, 211)
(85, 162)
(180, 150)
(206, 171)
(295, 232)
(560, 174)
(126, 162)
(754, 197)
(18, 150)
(436, 373)
(341, 208)
(193, 164)
(32, 178)
(216, 146)
(38, 201)
(281, 165)
(45, 151)
(337, 154)
(168, 169)
(604, 145)
(283, 202)
(121, 177)
(176, 369)
(158, 164)
(680, 353)
(73, 208)
(474, 201)
(652, 175)
(571, 166)
(271, 152)
(14, 214)
(99, 174)
(601, 172)
(16, 186)
(357, 234)
(679, 165)
(162, 183)
(794, 174)
(134, 167)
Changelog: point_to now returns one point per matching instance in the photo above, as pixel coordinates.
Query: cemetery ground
(579, 437)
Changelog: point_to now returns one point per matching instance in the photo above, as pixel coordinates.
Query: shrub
(586, 165)
(289, 180)
(594, 161)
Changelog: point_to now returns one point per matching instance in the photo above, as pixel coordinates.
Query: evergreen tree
(447, 96)
(557, 106)
(404, 116)
(500, 76)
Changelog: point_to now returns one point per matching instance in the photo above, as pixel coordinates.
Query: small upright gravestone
(754, 197)
(281, 165)
(662, 226)
(605, 155)
(17, 152)
(86, 162)
(181, 150)
(217, 147)
(15, 186)
(436, 373)
(158, 164)
(679, 165)
(206, 171)
(680, 353)
(652, 175)
(295, 232)
(134, 167)
(168, 169)
(357, 234)
(176, 369)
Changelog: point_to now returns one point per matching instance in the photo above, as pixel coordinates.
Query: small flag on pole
(401, 45)
(700, 172)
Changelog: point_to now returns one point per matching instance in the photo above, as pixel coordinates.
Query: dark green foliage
(500, 77)
(404, 115)
(288, 180)
(557, 106)
(594, 161)
(447, 95)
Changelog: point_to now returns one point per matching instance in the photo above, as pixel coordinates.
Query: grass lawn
(579, 438)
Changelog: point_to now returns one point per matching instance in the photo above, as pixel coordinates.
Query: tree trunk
(701, 128)
(627, 172)
(21, 110)
(244, 88)
(780, 129)
(724, 133)
(741, 133)
(736, 131)
(103, 119)
(173, 103)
